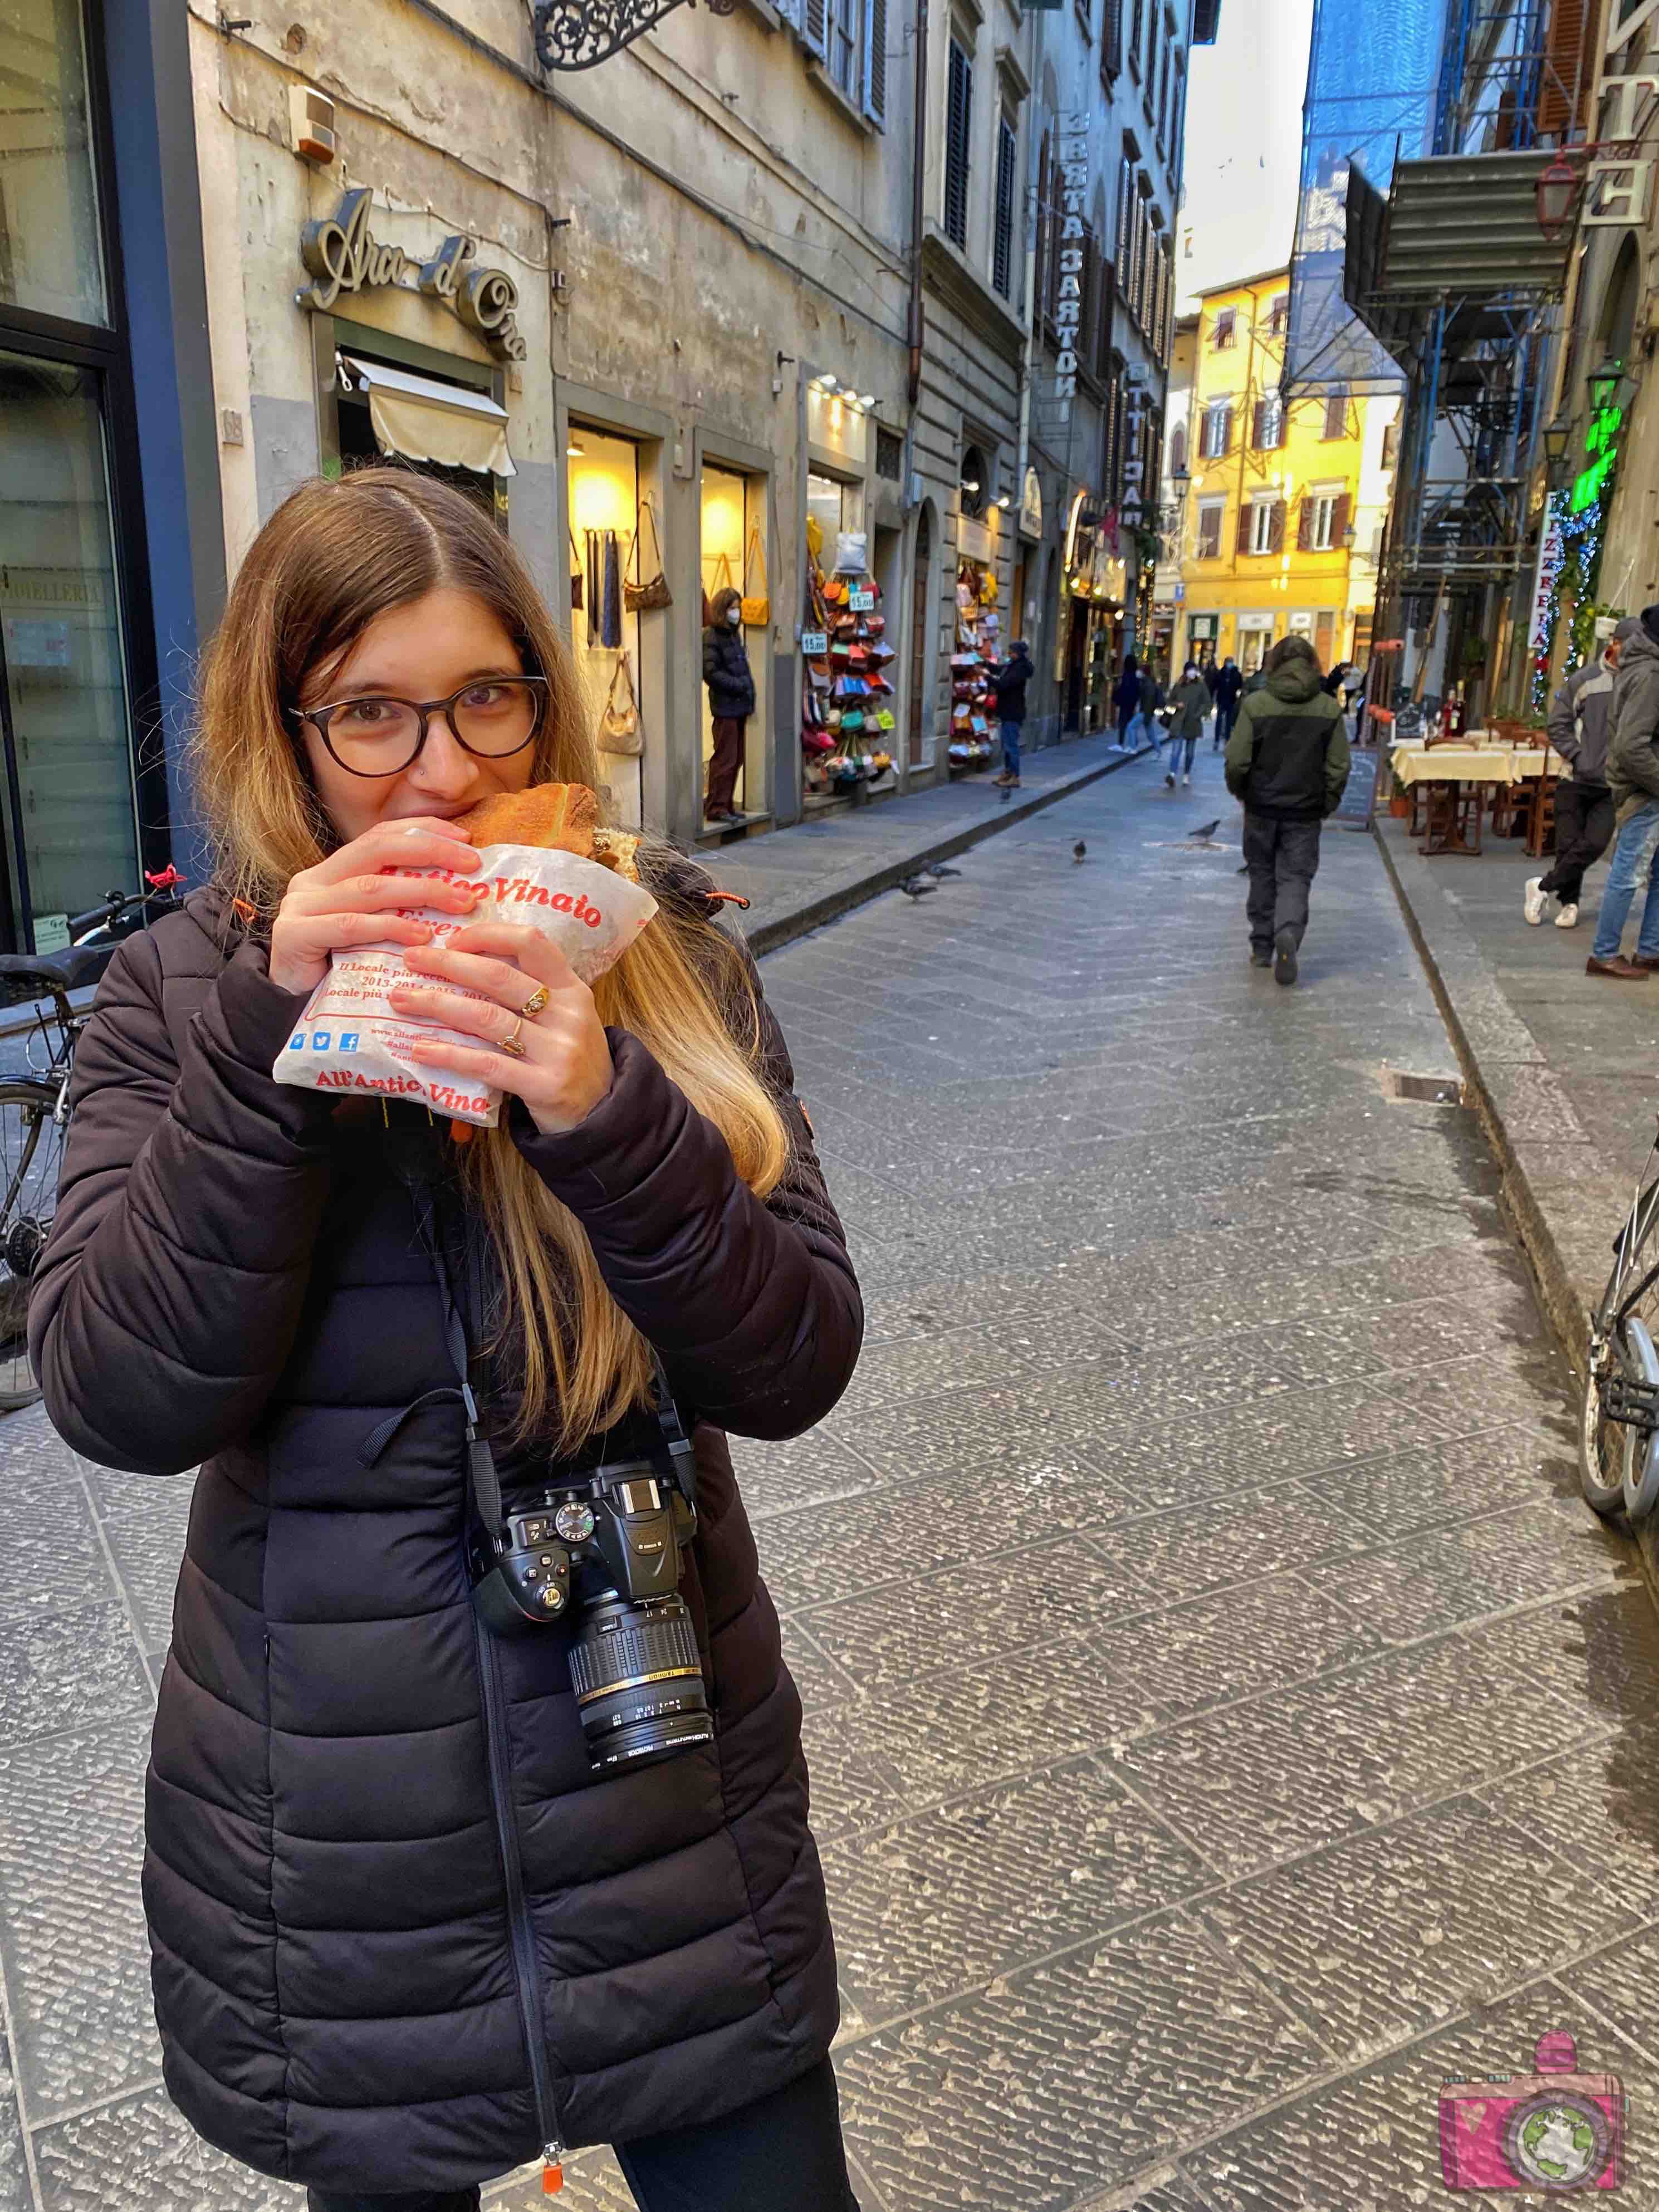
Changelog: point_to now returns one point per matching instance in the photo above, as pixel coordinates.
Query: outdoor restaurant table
(1477, 759)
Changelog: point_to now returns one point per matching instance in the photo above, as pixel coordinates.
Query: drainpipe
(917, 204)
(1028, 367)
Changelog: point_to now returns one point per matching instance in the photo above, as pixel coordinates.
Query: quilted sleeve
(166, 1300)
(752, 1303)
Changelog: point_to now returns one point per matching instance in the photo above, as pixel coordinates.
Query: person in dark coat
(1287, 765)
(1229, 689)
(731, 683)
(405, 1933)
(1580, 727)
(1633, 781)
(1126, 699)
(1191, 701)
(1009, 685)
(1151, 698)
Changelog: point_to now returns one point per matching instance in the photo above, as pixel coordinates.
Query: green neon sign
(1602, 445)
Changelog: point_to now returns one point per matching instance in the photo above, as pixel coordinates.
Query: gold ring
(533, 1004)
(511, 1043)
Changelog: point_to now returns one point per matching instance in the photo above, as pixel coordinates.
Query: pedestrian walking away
(1580, 727)
(731, 683)
(416, 1913)
(1633, 783)
(1191, 701)
(1126, 697)
(1287, 765)
(1229, 689)
(1009, 685)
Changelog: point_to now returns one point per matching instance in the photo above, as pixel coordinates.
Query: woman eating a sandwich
(477, 1812)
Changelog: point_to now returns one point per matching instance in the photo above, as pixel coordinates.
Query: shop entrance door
(70, 812)
(734, 519)
(1077, 666)
(604, 487)
(921, 614)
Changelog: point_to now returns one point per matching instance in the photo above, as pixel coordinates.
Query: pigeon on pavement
(940, 869)
(1080, 852)
(913, 887)
(1206, 829)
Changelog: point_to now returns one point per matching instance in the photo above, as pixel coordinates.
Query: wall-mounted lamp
(867, 400)
(970, 483)
(1003, 499)
(1556, 436)
(576, 453)
(826, 382)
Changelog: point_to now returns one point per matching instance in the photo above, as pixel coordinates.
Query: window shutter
(815, 26)
(1276, 527)
(1259, 424)
(1569, 65)
(1336, 414)
(1045, 233)
(957, 127)
(1002, 250)
(1177, 449)
(1225, 446)
(1304, 523)
(1339, 521)
(1111, 40)
(875, 62)
(1104, 329)
(1244, 529)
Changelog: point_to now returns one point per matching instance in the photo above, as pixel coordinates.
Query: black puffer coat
(725, 667)
(234, 1277)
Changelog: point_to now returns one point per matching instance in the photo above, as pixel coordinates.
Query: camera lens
(638, 1682)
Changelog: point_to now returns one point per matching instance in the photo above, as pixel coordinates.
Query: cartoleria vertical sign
(1072, 165)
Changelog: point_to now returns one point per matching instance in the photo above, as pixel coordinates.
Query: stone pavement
(810, 873)
(1225, 1724)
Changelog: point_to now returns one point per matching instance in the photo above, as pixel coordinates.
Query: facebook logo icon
(348, 1040)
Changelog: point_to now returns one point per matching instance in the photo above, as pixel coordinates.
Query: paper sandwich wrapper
(349, 1040)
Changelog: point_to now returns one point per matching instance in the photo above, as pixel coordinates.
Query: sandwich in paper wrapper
(545, 862)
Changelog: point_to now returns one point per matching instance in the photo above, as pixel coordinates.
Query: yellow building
(1280, 519)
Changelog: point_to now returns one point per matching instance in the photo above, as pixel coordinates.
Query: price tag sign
(814, 641)
(862, 602)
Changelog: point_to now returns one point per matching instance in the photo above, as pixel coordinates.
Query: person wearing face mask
(405, 1935)
(731, 683)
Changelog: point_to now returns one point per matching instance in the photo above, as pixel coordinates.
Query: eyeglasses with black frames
(376, 735)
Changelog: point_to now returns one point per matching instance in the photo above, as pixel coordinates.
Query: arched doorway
(921, 615)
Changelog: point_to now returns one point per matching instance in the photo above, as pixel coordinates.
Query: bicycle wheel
(31, 1155)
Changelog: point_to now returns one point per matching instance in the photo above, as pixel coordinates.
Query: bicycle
(35, 1107)
(1619, 1421)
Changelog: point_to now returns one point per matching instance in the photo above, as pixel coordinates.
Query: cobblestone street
(1225, 1722)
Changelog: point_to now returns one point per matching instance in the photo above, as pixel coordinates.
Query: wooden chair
(1538, 806)
(1452, 820)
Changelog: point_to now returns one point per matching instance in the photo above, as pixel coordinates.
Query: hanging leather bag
(619, 723)
(651, 590)
(757, 605)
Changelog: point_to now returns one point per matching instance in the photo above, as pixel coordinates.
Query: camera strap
(482, 1472)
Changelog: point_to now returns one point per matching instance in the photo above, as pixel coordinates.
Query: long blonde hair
(331, 558)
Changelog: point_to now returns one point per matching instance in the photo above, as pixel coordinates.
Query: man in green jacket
(1287, 764)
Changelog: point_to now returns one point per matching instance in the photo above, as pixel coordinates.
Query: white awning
(426, 421)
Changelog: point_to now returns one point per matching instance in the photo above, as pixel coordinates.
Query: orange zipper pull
(552, 2169)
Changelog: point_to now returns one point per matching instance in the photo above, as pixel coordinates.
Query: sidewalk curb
(1563, 1306)
(1562, 1303)
(858, 890)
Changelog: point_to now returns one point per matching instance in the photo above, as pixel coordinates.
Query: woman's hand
(347, 900)
(565, 1070)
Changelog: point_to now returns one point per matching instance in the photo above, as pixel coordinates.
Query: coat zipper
(518, 1912)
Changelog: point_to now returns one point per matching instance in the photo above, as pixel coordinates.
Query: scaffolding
(1447, 291)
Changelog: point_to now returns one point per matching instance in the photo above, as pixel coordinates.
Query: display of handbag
(857, 656)
(651, 592)
(885, 720)
(835, 592)
(877, 626)
(832, 717)
(619, 721)
(757, 605)
(852, 552)
(851, 719)
(817, 743)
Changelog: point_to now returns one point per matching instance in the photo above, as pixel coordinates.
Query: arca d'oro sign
(343, 255)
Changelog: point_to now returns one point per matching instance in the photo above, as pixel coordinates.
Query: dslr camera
(606, 1549)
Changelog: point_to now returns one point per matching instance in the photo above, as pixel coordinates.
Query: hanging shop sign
(1602, 449)
(1619, 182)
(1031, 505)
(1072, 163)
(343, 255)
(973, 540)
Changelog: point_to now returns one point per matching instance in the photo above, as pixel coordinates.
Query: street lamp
(1557, 197)
(1179, 477)
(1557, 437)
(1609, 386)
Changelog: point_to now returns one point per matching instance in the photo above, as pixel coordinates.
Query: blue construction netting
(1373, 75)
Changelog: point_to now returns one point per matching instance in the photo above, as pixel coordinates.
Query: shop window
(1002, 259)
(1209, 513)
(62, 702)
(51, 252)
(732, 534)
(958, 127)
(605, 507)
(1336, 415)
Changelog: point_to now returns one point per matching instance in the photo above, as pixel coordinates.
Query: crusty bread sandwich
(617, 849)
(562, 817)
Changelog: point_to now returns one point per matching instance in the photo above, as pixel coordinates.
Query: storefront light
(970, 483)
(576, 452)
(826, 382)
(867, 400)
